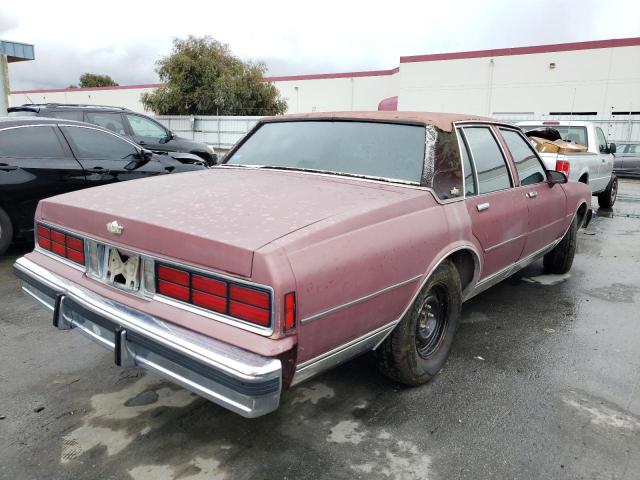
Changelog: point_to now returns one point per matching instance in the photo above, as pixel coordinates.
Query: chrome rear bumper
(241, 381)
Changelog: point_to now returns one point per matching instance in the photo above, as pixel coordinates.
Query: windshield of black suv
(378, 150)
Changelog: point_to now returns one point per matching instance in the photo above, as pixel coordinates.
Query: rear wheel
(6, 231)
(419, 346)
(607, 198)
(560, 259)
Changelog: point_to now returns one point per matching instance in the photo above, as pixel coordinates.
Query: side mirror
(613, 148)
(214, 158)
(168, 137)
(554, 177)
(143, 157)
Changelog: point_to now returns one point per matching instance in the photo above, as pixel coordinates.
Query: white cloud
(125, 38)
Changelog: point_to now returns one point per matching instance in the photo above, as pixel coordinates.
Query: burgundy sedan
(319, 238)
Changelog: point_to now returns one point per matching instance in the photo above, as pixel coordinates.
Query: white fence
(222, 132)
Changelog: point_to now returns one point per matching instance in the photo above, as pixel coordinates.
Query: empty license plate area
(123, 269)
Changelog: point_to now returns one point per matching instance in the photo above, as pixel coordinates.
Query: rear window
(380, 150)
(576, 135)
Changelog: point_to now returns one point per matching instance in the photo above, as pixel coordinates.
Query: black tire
(6, 231)
(560, 259)
(411, 355)
(607, 198)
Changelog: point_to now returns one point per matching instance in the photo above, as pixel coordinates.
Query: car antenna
(29, 98)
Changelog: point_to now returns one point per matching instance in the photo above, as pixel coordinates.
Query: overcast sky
(125, 38)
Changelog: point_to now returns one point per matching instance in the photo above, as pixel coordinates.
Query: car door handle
(6, 168)
(483, 206)
(142, 142)
(532, 194)
(97, 170)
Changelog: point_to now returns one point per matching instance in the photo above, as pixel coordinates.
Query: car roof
(66, 106)
(30, 120)
(554, 123)
(442, 121)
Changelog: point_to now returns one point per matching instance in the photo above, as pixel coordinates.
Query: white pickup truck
(593, 167)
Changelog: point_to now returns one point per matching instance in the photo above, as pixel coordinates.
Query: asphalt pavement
(543, 383)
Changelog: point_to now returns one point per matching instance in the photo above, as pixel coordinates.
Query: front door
(498, 211)
(605, 159)
(104, 156)
(546, 202)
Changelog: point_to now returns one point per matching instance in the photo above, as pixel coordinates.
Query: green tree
(201, 76)
(96, 80)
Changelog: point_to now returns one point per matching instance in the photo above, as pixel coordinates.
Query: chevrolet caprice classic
(320, 237)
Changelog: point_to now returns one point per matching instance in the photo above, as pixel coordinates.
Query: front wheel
(419, 346)
(607, 198)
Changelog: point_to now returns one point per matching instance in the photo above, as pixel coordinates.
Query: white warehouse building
(595, 80)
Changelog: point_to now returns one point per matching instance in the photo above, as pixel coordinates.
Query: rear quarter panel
(364, 274)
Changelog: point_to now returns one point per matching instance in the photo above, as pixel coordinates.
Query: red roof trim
(319, 76)
(88, 89)
(501, 52)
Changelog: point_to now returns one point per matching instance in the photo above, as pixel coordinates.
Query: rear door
(104, 155)
(546, 203)
(35, 163)
(149, 133)
(498, 211)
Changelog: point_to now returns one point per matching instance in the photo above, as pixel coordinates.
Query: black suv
(141, 129)
(42, 157)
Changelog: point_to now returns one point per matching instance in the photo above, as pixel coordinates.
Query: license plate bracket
(123, 270)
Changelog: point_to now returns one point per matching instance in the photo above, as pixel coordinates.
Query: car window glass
(602, 141)
(144, 127)
(492, 170)
(469, 178)
(529, 168)
(66, 115)
(90, 144)
(110, 121)
(577, 135)
(30, 142)
(633, 149)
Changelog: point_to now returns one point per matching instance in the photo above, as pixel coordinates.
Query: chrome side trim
(498, 245)
(341, 354)
(358, 300)
(242, 381)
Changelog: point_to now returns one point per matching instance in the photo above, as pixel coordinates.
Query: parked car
(44, 157)
(321, 237)
(627, 160)
(142, 129)
(593, 167)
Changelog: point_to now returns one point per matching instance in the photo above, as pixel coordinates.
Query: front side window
(493, 174)
(110, 121)
(380, 150)
(145, 127)
(91, 144)
(529, 168)
(30, 142)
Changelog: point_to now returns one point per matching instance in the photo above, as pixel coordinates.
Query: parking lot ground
(543, 383)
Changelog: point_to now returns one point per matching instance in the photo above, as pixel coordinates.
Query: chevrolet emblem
(115, 228)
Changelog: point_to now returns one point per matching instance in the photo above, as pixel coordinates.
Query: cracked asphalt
(543, 383)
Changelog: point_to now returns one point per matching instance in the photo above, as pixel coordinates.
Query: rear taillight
(562, 166)
(248, 303)
(60, 243)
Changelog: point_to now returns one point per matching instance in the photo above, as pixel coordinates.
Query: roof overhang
(17, 52)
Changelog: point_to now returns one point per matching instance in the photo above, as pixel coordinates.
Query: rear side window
(64, 114)
(491, 167)
(529, 168)
(110, 121)
(30, 142)
(91, 144)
